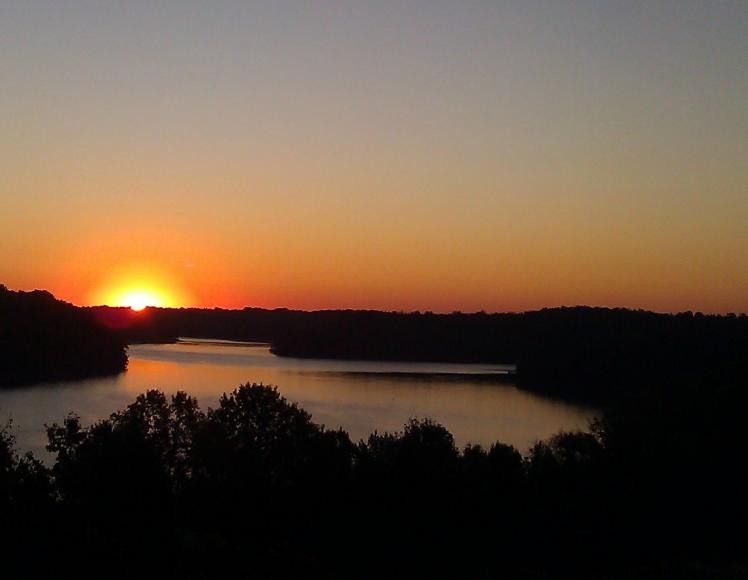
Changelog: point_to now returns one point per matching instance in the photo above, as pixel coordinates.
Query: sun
(139, 299)
(138, 287)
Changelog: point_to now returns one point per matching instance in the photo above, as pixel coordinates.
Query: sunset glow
(534, 155)
(138, 286)
(137, 299)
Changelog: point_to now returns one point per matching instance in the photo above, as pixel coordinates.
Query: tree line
(595, 355)
(254, 487)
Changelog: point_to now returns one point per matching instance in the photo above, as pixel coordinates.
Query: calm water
(358, 396)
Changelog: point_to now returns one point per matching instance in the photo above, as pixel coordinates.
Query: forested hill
(592, 354)
(44, 339)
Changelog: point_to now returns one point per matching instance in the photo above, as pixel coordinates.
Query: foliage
(44, 339)
(596, 355)
(254, 487)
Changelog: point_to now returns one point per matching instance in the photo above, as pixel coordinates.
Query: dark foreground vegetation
(596, 355)
(255, 489)
(44, 339)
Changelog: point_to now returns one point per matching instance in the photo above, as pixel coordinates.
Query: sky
(417, 155)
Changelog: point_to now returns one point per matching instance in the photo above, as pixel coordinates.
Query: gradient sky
(400, 155)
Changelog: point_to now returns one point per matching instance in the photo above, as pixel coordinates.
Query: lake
(477, 403)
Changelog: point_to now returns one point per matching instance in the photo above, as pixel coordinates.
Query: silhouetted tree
(255, 487)
(27, 510)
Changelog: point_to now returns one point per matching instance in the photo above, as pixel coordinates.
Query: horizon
(427, 156)
(145, 307)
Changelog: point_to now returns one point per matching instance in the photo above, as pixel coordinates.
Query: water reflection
(359, 396)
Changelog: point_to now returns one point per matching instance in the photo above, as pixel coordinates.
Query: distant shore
(583, 354)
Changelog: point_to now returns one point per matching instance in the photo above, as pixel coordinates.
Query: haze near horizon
(428, 156)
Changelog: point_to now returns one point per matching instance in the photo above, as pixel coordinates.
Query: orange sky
(433, 156)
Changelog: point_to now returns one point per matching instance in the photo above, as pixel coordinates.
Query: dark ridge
(44, 339)
(588, 354)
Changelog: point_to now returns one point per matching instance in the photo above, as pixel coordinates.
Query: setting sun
(138, 286)
(138, 299)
